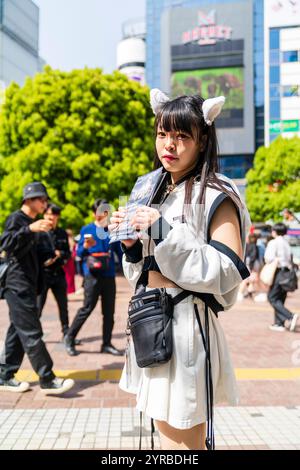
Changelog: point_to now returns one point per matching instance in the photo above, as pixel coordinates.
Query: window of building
(274, 109)
(274, 91)
(274, 75)
(290, 90)
(274, 38)
(274, 57)
(290, 56)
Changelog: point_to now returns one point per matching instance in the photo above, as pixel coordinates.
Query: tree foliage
(274, 181)
(84, 134)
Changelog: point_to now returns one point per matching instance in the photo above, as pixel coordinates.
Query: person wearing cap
(22, 284)
(94, 240)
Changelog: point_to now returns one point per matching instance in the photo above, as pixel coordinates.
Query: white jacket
(175, 392)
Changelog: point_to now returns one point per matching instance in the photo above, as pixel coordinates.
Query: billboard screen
(227, 81)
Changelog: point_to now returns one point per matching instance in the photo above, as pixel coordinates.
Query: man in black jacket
(19, 241)
(54, 245)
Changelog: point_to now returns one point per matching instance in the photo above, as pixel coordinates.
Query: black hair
(279, 228)
(56, 210)
(185, 114)
(98, 203)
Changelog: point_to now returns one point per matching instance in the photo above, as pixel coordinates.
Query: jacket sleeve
(15, 236)
(270, 253)
(208, 268)
(81, 252)
(133, 262)
(45, 248)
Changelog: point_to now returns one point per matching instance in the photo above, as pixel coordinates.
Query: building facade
(282, 69)
(19, 41)
(214, 47)
(131, 51)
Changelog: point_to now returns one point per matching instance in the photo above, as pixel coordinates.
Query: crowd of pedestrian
(41, 256)
(276, 250)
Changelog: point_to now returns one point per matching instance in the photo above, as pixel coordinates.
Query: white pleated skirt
(175, 392)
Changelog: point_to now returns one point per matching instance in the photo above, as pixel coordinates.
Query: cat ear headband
(211, 107)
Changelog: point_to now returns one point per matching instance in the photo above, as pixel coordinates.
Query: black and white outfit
(175, 392)
(279, 248)
(22, 284)
(54, 275)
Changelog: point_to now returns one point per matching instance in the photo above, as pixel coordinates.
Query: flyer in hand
(141, 194)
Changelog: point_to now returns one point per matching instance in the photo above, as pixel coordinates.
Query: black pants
(93, 288)
(277, 297)
(58, 285)
(24, 335)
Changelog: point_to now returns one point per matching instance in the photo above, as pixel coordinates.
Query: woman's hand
(116, 219)
(144, 217)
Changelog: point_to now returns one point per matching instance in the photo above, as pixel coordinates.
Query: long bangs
(177, 115)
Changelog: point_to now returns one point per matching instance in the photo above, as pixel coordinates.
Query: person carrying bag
(185, 268)
(99, 279)
(278, 253)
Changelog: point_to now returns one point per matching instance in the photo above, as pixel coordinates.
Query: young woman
(205, 226)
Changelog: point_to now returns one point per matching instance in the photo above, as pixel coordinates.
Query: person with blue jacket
(98, 266)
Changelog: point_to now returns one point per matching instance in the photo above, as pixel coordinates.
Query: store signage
(207, 31)
(290, 125)
(279, 13)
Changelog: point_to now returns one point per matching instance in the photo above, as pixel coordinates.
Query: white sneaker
(262, 297)
(294, 322)
(13, 385)
(276, 327)
(57, 386)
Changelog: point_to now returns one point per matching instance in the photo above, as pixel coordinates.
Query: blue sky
(78, 33)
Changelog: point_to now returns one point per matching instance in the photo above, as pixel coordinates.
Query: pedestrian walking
(99, 279)
(191, 248)
(279, 249)
(251, 285)
(22, 285)
(55, 247)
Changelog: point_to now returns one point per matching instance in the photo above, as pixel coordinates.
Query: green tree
(274, 181)
(84, 134)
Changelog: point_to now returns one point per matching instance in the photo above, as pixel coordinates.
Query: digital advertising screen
(227, 81)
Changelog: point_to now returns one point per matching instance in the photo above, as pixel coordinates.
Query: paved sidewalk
(241, 428)
(267, 367)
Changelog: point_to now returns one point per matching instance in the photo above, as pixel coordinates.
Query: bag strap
(210, 438)
(181, 296)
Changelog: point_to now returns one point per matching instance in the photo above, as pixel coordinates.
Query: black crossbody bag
(288, 280)
(4, 264)
(150, 317)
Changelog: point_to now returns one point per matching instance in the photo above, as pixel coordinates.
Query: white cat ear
(157, 99)
(211, 108)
